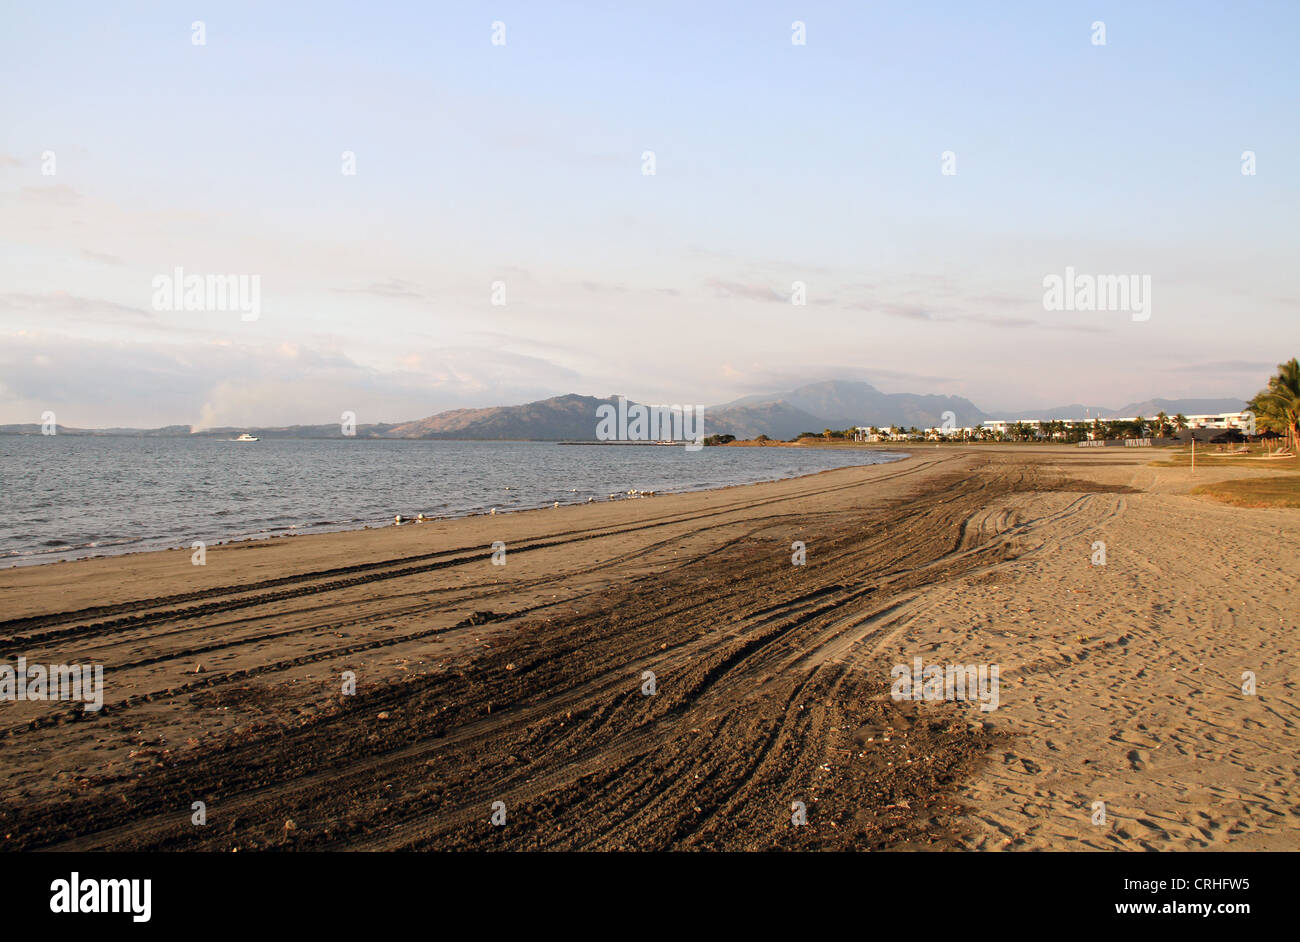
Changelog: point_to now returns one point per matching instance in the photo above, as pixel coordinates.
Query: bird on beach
(420, 518)
(397, 520)
(557, 505)
(493, 511)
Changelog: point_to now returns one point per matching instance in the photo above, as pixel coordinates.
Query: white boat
(245, 437)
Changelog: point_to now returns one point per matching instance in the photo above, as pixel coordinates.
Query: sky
(499, 152)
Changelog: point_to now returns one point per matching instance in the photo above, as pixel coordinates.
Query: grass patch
(1280, 491)
(1208, 456)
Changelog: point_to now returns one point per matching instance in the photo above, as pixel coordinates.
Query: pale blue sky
(522, 163)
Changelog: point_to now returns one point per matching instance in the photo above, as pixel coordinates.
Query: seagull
(397, 520)
(493, 511)
(557, 505)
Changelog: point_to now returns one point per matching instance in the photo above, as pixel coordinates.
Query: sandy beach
(656, 673)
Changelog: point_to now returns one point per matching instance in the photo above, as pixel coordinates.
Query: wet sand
(528, 683)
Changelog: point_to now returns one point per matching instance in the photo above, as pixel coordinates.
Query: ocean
(67, 497)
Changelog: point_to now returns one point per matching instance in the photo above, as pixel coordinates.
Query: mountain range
(836, 404)
(1148, 408)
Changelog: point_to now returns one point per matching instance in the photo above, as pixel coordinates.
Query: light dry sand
(1124, 681)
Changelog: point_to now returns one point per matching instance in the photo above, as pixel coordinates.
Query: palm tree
(1163, 419)
(1180, 421)
(1278, 406)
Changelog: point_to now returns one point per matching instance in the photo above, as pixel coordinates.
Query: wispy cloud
(1224, 366)
(218, 383)
(760, 380)
(992, 320)
(753, 292)
(598, 287)
(393, 288)
(907, 311)
(60, 304)
(59, 194)
(101, 257)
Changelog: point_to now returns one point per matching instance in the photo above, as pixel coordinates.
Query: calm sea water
(65, 497)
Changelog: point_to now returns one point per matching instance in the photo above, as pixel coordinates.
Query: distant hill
(560, 418)
(1072, 411)
(836, 404)
(1152, 407)
(1148, 409)
(34, 428)
(773, 419)
(333, 430)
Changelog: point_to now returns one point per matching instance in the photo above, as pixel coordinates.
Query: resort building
(1042, 429)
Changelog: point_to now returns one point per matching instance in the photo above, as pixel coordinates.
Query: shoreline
(372, 543)
(27, 561)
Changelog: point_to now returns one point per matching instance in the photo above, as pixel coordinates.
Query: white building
(1003, 426)
(940, 434)
(1219, 420)
(1042, 428)
(1206, 420)
(892, 433)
